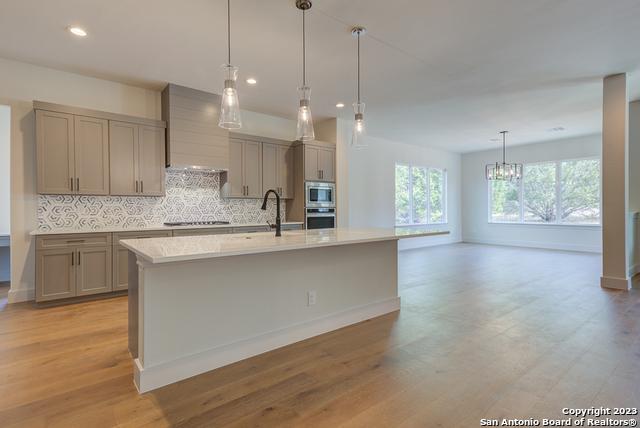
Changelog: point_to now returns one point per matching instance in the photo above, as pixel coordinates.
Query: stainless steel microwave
(320, 195)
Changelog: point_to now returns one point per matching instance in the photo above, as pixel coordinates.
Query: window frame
(445, 218)
(558, 195)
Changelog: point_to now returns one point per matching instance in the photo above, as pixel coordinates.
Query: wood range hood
(194, 140)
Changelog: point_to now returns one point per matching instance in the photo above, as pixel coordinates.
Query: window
(420, 195)
(561, 192)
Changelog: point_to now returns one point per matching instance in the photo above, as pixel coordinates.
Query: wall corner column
(615, 183)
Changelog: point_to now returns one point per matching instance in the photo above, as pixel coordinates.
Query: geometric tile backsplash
(190, 196)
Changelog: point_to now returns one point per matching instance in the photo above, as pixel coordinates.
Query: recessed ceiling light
(77, 31)
(251, 81)
(340, 105)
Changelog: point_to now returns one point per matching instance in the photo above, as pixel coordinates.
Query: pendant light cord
(229, 31)
(504, 145)
(304, 51)
(358, 67)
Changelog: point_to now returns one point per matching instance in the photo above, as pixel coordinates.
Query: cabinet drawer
(251, 229)
(196, 232)
(117, 237)
(75, 240)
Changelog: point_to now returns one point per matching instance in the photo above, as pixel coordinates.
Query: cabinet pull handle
(136, 186)
(71, 180)
(77, 184)
(71, 241)
(72, 254)
(141, 186)
(78, 258)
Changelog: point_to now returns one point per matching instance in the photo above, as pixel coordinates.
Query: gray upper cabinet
(72, 154)
(55, 152)
(123, 146)
(91, 155)
(319, 163)
(277, 169)
(151, 165)
(244, 177)
(137, 159)
(327, 164)
(89, 152)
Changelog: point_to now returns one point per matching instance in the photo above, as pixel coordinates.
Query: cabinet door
(91, 155)
(121, 255)
(270, 168)
(311, 169)
(55, 274)
(252, 169)
(326, 164)
(234, 186)
(55, 152)
(120, 268)
(285, 169)
(93, 271)
(151, 152)
(123, 148)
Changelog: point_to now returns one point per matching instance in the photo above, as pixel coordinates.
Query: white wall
(366, 181)
(475, 224)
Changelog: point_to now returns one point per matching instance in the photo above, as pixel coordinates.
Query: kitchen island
(197, 303)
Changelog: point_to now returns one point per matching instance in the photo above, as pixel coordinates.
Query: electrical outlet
(311, 298)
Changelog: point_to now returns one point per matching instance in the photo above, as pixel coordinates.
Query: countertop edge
(292, 247)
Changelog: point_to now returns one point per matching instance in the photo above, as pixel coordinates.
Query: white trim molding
(615, 283)
(23, 294)
(535, 244)
(150, 378)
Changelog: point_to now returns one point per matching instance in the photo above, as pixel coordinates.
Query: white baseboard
(615, 283)
(427, 241)
(150, 378)
(535, 244)
(21, 295)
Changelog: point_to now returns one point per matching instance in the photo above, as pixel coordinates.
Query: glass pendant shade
(229, 106)
(358, 139)
(304, 130)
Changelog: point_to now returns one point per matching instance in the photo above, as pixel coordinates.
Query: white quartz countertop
(185, 248)
(151, 228)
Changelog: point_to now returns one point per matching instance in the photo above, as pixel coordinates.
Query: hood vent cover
(194, 140)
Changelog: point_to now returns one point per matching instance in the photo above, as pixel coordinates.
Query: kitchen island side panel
(193, 308)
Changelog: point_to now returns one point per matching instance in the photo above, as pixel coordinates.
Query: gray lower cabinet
(73, 265)
(95, 263)
(121, 255)
(93, 271)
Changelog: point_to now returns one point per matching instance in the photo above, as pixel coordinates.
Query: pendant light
(229, 106)
(358, 137)
(304, 130)
(504, 171)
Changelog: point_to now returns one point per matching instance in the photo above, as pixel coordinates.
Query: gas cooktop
(195, 223)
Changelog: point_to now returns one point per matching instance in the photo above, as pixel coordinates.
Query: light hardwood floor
(484, 332)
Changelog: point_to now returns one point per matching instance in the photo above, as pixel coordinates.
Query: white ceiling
(447, 74)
